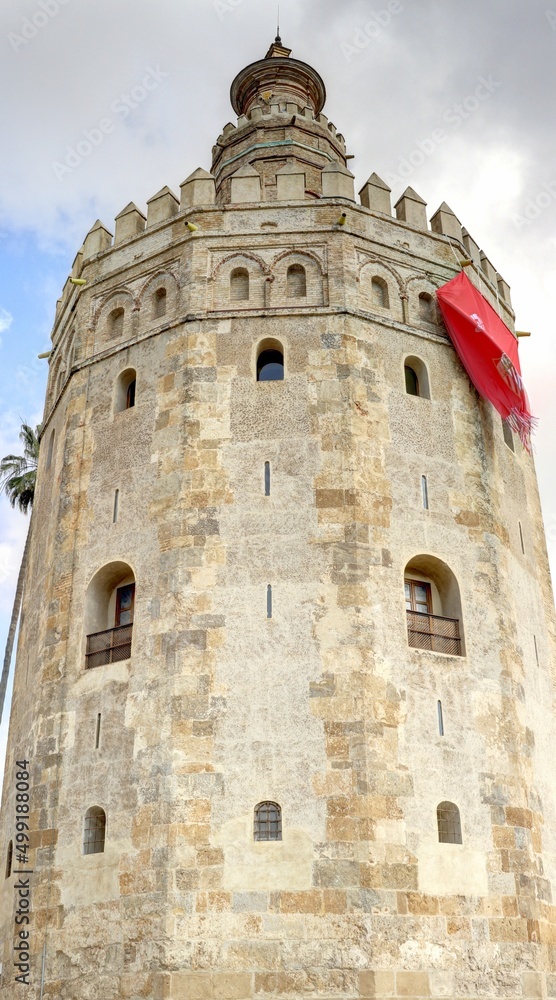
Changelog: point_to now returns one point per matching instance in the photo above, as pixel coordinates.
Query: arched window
(239, 284)
(426, 307)
(124, 398)
(9, 858)
(379, 293)
(270, 362)
(50, 452)
(296, 282)
(267, 824)
(433, 606)
(449, 823)
(116, 323)
(159, 302)
(416, 377)
(94, 831)
(109, 612)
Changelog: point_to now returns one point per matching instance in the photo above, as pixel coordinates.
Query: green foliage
(18, 473)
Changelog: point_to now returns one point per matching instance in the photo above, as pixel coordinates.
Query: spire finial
(278, 40)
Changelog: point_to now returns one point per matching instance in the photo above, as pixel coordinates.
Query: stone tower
(284, 697)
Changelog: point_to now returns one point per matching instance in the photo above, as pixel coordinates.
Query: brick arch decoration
(416, 286)
(371, 268)
(120, 298)
(315, 275)
(219, 281)
(162, 279)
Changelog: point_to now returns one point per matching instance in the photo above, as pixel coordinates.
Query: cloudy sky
(456, 99)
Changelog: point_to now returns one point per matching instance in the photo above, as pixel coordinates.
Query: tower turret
(279, 102)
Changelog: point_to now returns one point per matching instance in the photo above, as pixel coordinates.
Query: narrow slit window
(411, 381)
(521, 537)
(269, 601)
(425, 492)
(97, 732)
(116, 505)
(440, 719)
(9, 859)
(50, 449)
(508, 435)
(267, 479)
(536, 650)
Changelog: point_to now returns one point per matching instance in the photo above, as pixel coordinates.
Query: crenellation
(411, 208)
(375, 195)
(488, 268)
(129, 222)
(162, 206)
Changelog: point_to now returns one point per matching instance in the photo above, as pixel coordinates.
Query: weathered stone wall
(323, 708)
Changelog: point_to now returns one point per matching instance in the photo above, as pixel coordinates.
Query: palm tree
(18, 475)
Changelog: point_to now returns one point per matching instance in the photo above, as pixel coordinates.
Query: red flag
(488, 351)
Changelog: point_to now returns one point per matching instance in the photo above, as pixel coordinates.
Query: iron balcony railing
(110, 646)
(441, 635)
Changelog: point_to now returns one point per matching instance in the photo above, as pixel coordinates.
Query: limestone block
(246, 185)
(472, 248)
(98, 238)
(446, 222)
(375, 194)
(412, 984)
(411, 208)
(162, 206)
(290, 183)
(337, 181)
(198, 189)
(129, 222)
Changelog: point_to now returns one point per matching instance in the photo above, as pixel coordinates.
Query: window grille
(449, 823)
(94, 832)
(267, 821)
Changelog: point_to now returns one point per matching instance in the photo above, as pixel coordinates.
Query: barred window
(449, 823)
(94, 832)
(267, 821)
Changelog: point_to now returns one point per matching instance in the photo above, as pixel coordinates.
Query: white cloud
(6, 320)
